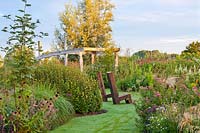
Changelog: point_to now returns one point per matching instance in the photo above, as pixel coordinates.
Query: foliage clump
(36, 109)
(168, 108)
(192, 51)
(64, 110)
(81, 90)
(139, 77)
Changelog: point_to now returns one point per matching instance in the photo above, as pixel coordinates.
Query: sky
(165, 25)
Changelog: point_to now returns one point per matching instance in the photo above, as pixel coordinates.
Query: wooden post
(116, 59)
(93, 57)
(65, 48)
(39, 48)
(66, 59)
(81, 61)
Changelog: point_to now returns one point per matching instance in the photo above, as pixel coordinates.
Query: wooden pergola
(81, 52)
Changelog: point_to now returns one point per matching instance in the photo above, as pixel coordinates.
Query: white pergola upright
(81, 52)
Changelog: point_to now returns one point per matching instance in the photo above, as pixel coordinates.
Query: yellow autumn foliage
(1, 62)
(88, 24)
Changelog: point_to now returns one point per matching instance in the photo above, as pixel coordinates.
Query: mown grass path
(119, 119)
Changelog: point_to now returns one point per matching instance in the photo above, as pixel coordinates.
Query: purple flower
(152, 109)
(69, 94)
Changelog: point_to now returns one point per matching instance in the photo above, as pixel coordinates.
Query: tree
(59, 41)
(88, 24)
(192, 50)
(19, 52)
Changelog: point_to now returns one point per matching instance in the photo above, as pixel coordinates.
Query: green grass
(119, 119)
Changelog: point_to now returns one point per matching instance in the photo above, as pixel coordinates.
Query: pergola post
(93, 57)
(66, 59)
(81, 61)
(39, 48)
(65, 48)
(116, 59)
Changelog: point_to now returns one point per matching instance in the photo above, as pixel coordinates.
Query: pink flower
(157, 94)
(195, 89)
(1, 117)
(69, 94)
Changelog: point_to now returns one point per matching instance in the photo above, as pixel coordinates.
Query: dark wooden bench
(113, 88)
(102, 87)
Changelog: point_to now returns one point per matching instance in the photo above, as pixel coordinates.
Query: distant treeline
(152, 54)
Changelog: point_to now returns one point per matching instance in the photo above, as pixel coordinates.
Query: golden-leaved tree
(88, 24)
(192, 51)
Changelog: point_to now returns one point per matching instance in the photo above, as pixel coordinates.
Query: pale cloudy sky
(166, 25)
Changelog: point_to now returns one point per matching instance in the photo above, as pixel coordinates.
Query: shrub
(81, 90)
(139, 76)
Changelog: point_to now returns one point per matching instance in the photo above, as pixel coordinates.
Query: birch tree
(88, 23)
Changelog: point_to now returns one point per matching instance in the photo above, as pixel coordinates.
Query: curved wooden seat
(115, 95)
(113, 89)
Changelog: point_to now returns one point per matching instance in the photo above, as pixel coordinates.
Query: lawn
(119, 119)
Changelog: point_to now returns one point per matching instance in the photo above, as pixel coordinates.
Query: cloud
(135, 18)
(1, 14)
(164, 11)
(125, 3)
(173, 44)
(177, 2)
(180, 39)
(163, 17)
(171, 41)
